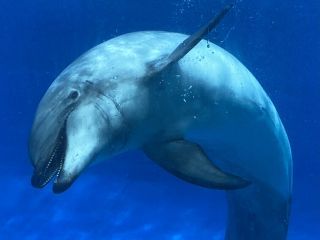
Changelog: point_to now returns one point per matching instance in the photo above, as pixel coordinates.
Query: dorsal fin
(184, 47)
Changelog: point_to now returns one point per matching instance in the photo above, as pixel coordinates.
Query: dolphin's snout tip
(60, 187)
(62, 183)
(37, 180)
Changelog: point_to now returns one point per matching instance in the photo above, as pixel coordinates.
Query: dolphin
(191, 106)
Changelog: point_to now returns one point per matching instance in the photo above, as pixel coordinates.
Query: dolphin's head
(74, 123)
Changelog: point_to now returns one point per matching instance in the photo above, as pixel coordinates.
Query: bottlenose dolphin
(193, 108)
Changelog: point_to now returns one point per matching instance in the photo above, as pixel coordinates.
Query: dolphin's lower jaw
(43, 175)
(63, 182)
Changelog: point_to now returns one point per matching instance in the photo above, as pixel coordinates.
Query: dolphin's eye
(74, 95)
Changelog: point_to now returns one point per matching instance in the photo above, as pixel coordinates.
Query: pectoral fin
(186, 160)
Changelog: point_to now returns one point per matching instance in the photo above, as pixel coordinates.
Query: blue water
(129, 197)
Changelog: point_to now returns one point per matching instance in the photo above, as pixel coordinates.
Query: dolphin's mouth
(42, 177)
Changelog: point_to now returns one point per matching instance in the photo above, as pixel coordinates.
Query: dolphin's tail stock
(257, 213)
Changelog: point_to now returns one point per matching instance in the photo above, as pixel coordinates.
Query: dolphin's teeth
(60, 167)
(47, 180)
(55, 162)
(51, 158)
(62, 157)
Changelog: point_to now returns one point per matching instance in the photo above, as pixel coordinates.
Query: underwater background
(129, 196)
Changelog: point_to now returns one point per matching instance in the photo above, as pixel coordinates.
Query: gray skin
(194, 117)
(97, 105)
(108, 101)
